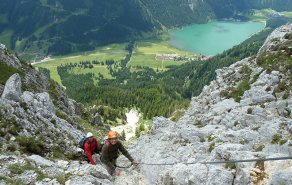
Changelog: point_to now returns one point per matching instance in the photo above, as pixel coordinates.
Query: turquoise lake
(213, 37)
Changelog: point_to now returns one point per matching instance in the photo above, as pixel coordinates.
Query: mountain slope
(64, 26)
(229, 8)
(39, 130)
(172, 13)
(41, 27)
(179, 13)
(245, 113)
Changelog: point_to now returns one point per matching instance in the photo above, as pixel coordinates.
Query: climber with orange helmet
(110, 152)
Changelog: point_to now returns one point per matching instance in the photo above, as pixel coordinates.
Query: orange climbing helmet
(111, 134)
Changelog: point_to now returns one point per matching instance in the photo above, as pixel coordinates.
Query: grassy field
(143, 55)
(114, 51)
(262, 15)
(149, 60)
(287, 14)
(160, 46)
(147, 54)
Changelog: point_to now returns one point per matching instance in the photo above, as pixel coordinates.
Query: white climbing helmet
(89, 134)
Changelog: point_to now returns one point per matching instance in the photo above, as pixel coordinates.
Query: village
(176, 57)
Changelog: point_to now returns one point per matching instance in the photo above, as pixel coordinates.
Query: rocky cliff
(39, 130)
(245, 113)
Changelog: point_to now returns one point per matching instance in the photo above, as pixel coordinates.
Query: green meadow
(111, 52)
(262, 15)
(144, 55)
(148, 53)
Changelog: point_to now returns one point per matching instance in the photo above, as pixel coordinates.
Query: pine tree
(123, 135)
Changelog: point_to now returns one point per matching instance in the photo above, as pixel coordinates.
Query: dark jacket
(110, 153)
(90, 148)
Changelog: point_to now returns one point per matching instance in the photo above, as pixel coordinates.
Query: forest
(60, 27)
(153, 93)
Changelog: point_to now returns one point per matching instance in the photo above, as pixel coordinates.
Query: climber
(110, 152)
(90, 146)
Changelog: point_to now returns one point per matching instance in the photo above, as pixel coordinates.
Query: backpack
(84, 139)
(81, 142)
(100, 147)
(101, 144)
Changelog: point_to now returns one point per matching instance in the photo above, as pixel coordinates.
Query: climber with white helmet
(90, 146)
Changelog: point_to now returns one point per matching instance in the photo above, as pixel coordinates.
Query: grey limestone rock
(224, 106)
(256, 95)
(28, 176)
(72, 106)
(9, 59)
(87, 180)
(33, 114)
(96, 120)
(281, 177)
(158, 123)
(45, 102)
(219, 176)
(189, 174)
(48, 181)
(12, 90)
(275, 36)
(73, 172)
(40, 161)
(54, 171)
(267, 79)
(40, 102)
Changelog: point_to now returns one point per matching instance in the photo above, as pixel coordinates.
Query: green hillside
(36, 28)
(173, 13)
(151, 91)
(63, 26)
(234, 8)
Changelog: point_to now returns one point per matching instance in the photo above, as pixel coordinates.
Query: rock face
(38, 170)
(274, 38)
(10, 60)
(38, 124)
(34, 115)
(38, 102)
(220, 126)
(12, 90)
(31, 125)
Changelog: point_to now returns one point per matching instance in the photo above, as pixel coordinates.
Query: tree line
(156, 94)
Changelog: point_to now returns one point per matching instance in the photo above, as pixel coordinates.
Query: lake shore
(213, 37)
